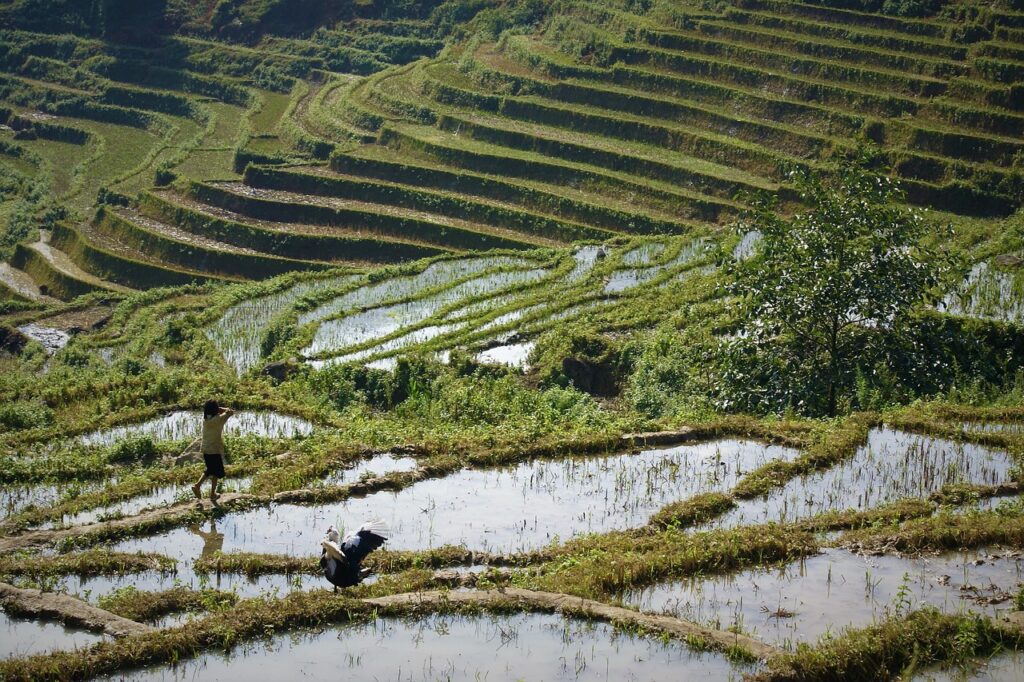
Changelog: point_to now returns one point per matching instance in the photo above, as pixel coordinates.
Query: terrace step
(652, 161)
(674, 98)
(450, 233)
(330, 116)
(604, 212)
(997, 136)
(697, 73)
(120, 263)
(669, 45)
(857, 35)
(450, 149)
(323, 182)
(686, 128)
(704, 179)
(926, 142)
(21, 285)
(830, 49)
(912, 27)
(337, 246)
(49, 265)
(170, 244)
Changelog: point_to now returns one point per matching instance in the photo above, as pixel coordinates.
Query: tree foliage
(824, 289)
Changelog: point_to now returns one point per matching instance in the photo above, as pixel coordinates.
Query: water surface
(536, 647)
(823, 594)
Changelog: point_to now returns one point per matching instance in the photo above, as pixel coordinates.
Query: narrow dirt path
(550, 601)
(68, 610)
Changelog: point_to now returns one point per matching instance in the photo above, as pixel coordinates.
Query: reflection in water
(213, 541)
(893, 465)
(184, 424)
(504, 509)
(1007, 665)
(436, 647)
(24, 637)
(806, 599)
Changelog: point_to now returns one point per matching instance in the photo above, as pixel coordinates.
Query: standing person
(214, 417)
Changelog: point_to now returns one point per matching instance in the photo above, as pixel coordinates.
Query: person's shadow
(213, 541)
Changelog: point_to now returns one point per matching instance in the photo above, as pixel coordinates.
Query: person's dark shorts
(214, 465)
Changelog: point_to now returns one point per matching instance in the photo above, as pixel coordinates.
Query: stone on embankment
(68, 610)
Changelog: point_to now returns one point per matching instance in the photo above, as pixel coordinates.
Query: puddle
(513, 354)
(823, 594)
(368, 325)
(52, 340)
(25, 636)
(1008, 665)
(502, 510)
(988, 293)
(377, 465)
(435, 275)
(643, 254)
(892, 466)
(185, 424)
(529, 646)
(748, 243)
(239, 332)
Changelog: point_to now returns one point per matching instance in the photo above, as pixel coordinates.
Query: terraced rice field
(458, 269)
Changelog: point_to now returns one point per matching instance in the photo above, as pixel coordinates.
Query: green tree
(822, 288)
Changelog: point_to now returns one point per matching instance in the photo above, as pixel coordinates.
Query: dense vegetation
(488, 235)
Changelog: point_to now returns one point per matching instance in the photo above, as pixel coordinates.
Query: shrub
(25, 415)
(132, 449)
(843, 273)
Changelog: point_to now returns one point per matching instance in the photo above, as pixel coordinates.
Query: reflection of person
(213, 541)
(214, 417)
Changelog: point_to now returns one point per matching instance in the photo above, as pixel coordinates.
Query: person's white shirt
(213, 434)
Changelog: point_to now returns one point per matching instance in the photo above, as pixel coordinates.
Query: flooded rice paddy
(995, 427)
(644, 254)
(441, 647)
(186, 424)
(158, 497)
(628, 278)
(509, 509)
(239, 332)
(989, 293)
(823, 594)
(361, 327)
(16, 498)
(52, 340)
(585, 257)
(511, 354)
(1007, 666)
(26, 636)
(378, 465)
(418, 336)
(435, 275)
(893, 465)
(747, 245)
